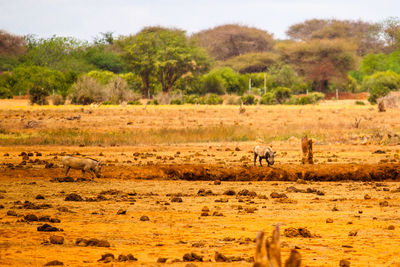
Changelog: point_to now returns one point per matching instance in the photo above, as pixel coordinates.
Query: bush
(57, 100)
(233, 100)
(268, 99)
(37, 95)
(134, 102)
(361, 103)
(311, 98)
(213, 83)
(210, 99)
(176, 102)
(118, 92)
(191, 99)
(87, 90)
(152, 102)
(281, 94)
(5, 93)
(380, 84)
(248, 100)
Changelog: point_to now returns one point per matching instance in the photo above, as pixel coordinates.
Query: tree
(59, 53)
(166, 54)
(232, 40)
(251, 62)
(321, 61)
(364, 34)
(11, 48)
(391, 32)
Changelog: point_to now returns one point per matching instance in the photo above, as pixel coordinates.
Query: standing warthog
(264, 152)
(91, 165)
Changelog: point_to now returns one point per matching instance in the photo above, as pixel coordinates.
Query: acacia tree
(165, 54)
(320, 61)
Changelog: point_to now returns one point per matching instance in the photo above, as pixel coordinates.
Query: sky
(86, 19)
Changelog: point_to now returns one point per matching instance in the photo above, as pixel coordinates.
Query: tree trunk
(146, 86)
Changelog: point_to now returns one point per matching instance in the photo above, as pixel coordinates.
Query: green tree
(59, 53)
(380, 84)
(166, 54)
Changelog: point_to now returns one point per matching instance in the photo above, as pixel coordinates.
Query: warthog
(91, 165)
(264, 152)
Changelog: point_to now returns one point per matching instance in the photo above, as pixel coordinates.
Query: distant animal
(84, 164)
(306, 146)
(264, 152)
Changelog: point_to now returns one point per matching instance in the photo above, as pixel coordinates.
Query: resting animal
(90, 165)
(264, 152)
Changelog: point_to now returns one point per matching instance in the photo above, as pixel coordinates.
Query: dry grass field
(164, 162)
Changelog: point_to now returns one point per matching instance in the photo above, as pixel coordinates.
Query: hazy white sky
(85, 19)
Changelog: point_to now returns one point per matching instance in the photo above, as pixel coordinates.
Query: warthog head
(270, 157)
(97, 169)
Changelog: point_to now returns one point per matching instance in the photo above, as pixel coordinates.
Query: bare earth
(152, 179)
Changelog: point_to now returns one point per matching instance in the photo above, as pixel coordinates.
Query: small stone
(121, 212)
(230, 192)
(344, 263)
(391, 227)
(301, 181)
(11, 213)
(219, 257)
(366, 197)
(277, 195)
(329, 220)
(192, 257)
(205, 214)
(108, 257)
(144, 218)
(73, 197)
(335, 209)
(162, 260)
(54, 263)
(205, 209)
(384, 203)
(353, 233)
(31, 218)
(176, 199)
(57, 239)
(39, 197)
(47, 228)
(217, 182)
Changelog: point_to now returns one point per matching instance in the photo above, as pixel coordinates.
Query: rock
(162, 260)
(205, 209)
(54, 263)
(11, 213)
(366, 197)
(92, 242)
(246, 192)
(219, 257)
(295, 232)
(73, 197)
(344, 263)
(144, 218)
(121, 212)
(205, 214)
(108, 257)
(31, 218)
(384, 203)
(49, 165)
(128, 257)
(39, 197)
(176, 199)
(301, 181)
(329, 220)
(230, 192)
(47, 228)
(216, 213)
(57, 239)
(335, 209)
(277, 195)
(379, 152)
(217, 182)
(391, 227)
(192, 257)
(353, 233)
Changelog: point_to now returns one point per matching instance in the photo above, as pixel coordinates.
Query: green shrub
(38, 94)
(213, 83)
(191, 99)
(212, 99)
(311, 98)
(281, 94)
(152, 102)
(268, 99)
(361, 103)
(248, 100)
(5, 93)
(176, 102)
(108, 102)
(380, 84)
(134, 102)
